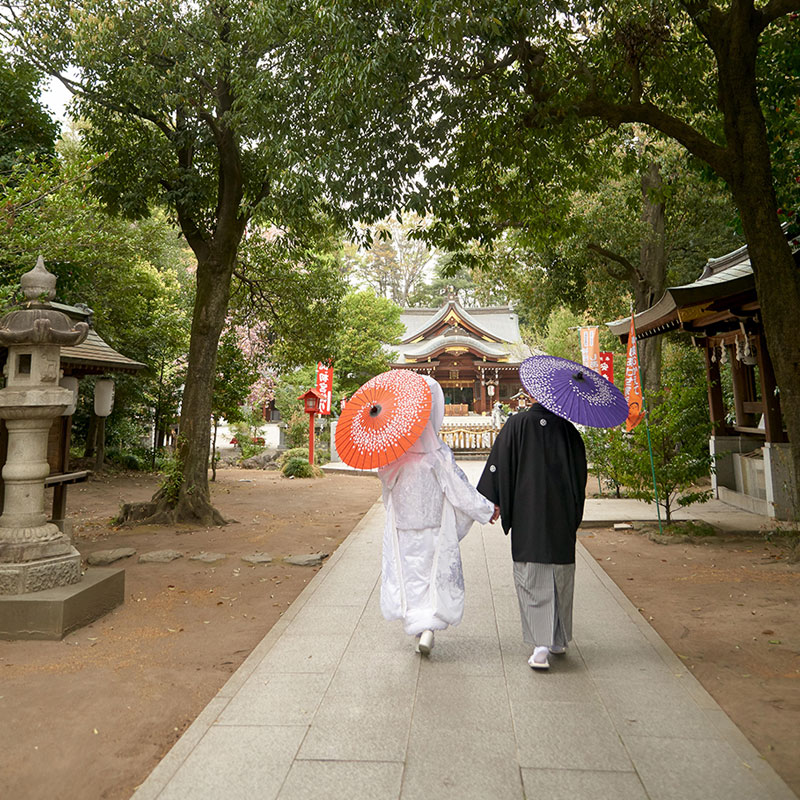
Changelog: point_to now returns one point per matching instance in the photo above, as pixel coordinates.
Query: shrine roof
(94, 354)
(498, 322)
(729, 276)
(491, 331)
(428, 347)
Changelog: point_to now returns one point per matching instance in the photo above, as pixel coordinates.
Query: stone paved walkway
(334, 703)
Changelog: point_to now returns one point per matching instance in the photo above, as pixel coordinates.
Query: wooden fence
(468, 439)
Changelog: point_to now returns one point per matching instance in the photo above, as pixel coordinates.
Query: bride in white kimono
(430, 507)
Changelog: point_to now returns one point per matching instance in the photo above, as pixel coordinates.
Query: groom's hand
(495, 515)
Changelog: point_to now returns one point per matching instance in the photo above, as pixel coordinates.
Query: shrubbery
(301, 452)
(139, 462)
(679, 428)
(298, 467)
(247, 434)
(606, 451)
(294, 452)
(294, 464)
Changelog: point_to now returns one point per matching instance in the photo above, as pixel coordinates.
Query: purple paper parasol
(573, 391)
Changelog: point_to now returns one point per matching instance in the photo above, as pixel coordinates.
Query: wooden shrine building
(474, 353)
(749, 446)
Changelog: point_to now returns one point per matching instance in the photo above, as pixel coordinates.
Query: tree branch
(709, 19)
(489, 68)
(192, 232)
(78, 89)
(161, 61)
(618, 113)
(775, 9)
(697, 8)
(263, 191)
(256, 292)
(522, 51)
(630, 270)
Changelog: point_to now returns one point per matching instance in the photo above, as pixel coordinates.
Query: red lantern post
(311, 400)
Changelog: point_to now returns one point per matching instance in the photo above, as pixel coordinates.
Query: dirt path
(730, 609)
(89, 717)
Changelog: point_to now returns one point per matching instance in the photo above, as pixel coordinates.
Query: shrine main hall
(474, 353)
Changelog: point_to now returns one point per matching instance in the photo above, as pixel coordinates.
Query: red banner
(633, 386)
(607, 366)
(590, 347)
(324, 387)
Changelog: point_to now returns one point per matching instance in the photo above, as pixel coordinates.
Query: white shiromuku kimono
(430, 507)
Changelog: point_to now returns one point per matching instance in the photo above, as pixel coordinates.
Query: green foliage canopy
(532, 95)
(366, 323)
(235, 116)
(364, 326)
(26, 129)
(95, 257)
(289, 285)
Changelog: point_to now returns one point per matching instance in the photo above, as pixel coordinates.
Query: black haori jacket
(536, 473)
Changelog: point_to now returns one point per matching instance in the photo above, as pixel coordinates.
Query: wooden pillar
(716, 404)
(100, 444)
(743, 389)
(60, 489)
(773, 421)
(91, 437)
(311, 438)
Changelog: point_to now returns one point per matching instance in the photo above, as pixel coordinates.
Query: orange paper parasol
(383, 419)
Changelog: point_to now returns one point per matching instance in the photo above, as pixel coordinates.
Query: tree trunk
(651, 282)
(216, 255)
(193, 502)
(214, 451)
(157, 436)
(777, 276)
(91, 437)
(777, 280)
(211, 307)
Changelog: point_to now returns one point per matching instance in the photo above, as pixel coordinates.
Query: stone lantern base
(53, 613)
(40, 574)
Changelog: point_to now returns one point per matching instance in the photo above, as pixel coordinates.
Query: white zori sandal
(425, 642)
(538, 659)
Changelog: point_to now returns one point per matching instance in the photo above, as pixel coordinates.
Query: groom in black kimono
(536, 474)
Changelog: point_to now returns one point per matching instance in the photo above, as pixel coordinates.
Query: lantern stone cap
(38, 322)
(38, 283)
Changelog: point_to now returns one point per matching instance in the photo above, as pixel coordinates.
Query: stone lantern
(35, 554)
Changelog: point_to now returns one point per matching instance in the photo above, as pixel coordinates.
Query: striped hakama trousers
(545, 594)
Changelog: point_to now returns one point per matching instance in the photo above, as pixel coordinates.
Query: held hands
(495, 515)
